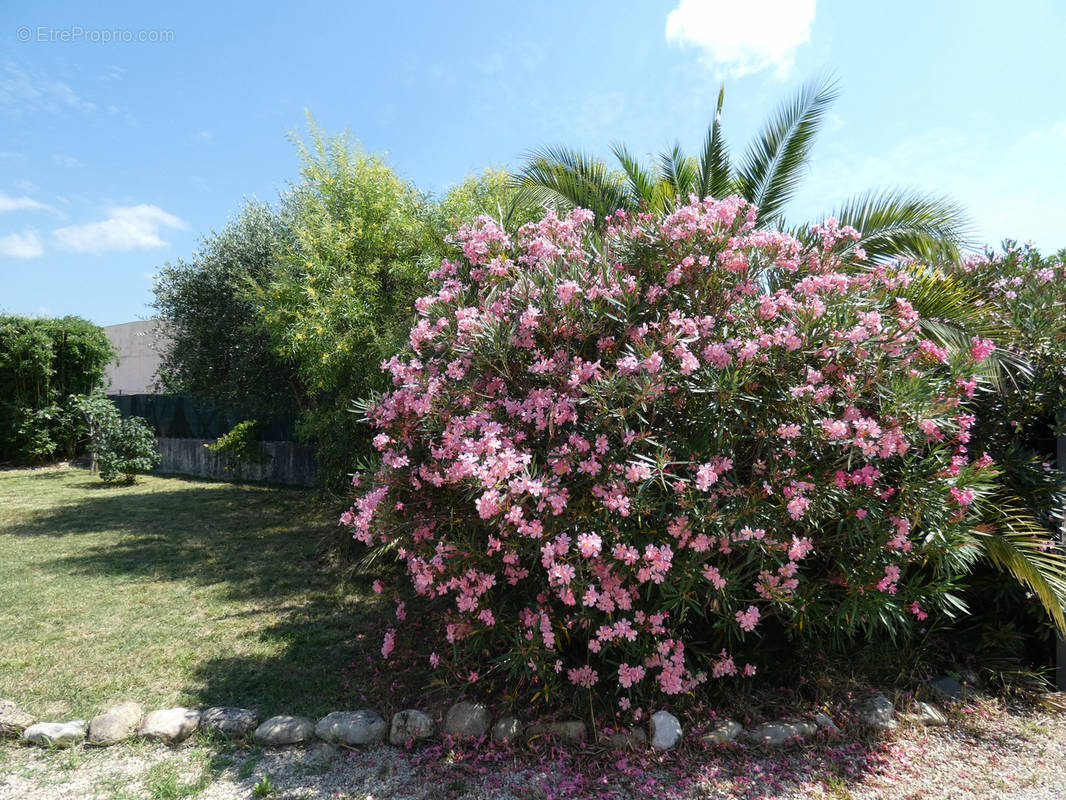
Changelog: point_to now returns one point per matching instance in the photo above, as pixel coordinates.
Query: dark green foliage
(900, 222)
(1023, 293)
(43, 362)
(221, 351)
(97, 414)
(773, 167)
(294, 308)
(120, 448)
(124, 448)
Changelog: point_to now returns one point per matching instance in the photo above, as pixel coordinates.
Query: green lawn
(173, 591)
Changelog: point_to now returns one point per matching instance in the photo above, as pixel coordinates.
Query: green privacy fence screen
(176, 416)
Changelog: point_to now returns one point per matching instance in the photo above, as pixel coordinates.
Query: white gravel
(987, 751)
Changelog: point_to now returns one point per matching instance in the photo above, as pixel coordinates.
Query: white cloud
(21, 245)
(63, 160)
(114, 73)
(8, 203)
(21, 91)
(128, 228)
(738, 38)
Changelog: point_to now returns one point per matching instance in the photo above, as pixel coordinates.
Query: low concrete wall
(287, 462)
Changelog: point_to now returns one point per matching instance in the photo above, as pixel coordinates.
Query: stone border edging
(465, 719)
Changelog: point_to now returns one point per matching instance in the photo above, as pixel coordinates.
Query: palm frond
(678, 171)
(570, 179)
(899, 223)
(1014, 542)
(940, 296)
(773, 165)
(643, 183)
(716, 173)
(377, 560)
(952, 313)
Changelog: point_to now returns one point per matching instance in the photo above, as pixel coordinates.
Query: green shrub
(241, 445)
(219, 349)
(125, 448)
(43, 362)
(1024, 292)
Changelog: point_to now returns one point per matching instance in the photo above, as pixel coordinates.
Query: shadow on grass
(325, 644)
(323, 665)
(251, 539)
(252, 547)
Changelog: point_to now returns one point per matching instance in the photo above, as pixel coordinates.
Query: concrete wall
(139, 347)
(287, 462)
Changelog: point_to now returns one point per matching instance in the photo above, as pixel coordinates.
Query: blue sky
(127, 131)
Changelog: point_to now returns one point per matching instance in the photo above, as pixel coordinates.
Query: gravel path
(987, 751)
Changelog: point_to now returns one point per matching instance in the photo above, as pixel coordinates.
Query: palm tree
(892, 224)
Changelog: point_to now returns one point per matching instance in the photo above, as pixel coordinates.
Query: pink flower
(583, 676)
(799, 549)
(930, 429)
(835, 428)
(567, 290)
(932, 351)
(712, 574)
(628, 675)
(705, 477)
(790, 431)
(888, 583)
(636, 472)
(708, 474)
(797, 506)
(571, 462)
(724, 666)
(588, 544)
(389, 643)
(488, 505)
(717, 355)
(982, 349)
(748, 619)
(653, 363)
(963, 497)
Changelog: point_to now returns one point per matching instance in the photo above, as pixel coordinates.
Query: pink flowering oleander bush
(628, 459)
(1024, 292)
